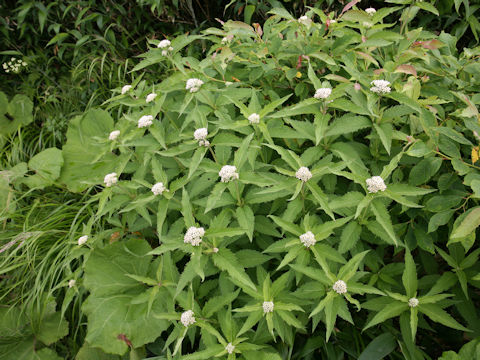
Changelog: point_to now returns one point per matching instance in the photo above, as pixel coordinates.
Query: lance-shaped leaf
(437, 314)
(395, 308)
(383, 218)
(226, 260)
(409, 277)
(320, 198)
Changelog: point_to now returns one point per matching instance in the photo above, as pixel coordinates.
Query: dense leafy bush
(305, 180)
(306, 189)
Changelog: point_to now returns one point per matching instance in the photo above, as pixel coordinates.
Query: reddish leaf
(406, 69)
(349, 6)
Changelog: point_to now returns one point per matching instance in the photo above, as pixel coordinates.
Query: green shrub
(335, 185)
(345, 230)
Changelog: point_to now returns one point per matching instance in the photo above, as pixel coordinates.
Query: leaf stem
(213, 154)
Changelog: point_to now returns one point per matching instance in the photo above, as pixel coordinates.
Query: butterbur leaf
(111, 295)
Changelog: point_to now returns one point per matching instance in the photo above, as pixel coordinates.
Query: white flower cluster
(254, 118)
(375, 184)
(413, 302)
(228, 173)
(14, 65)
(165, 45)
(304, 20)
(267, 306)
(194, 235)
(380, 86)
(150, 97)
(126, 88)
(114, 135)
(71, 283)
(145, 120)
(110, 179)
(322, 93)
(340, 287)
(187, 318)
(303, 174)
(370, 11)
(227, 39)
(158, 189)
(230, 348)
(367, 24)
(193, 84)
(308, 239)
(82, 240)
(201, 135)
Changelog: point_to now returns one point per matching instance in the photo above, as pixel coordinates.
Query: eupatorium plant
(337, 166)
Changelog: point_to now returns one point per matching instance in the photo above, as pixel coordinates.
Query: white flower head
(194, 236)
(228, 173)
(303, 174)
(267, 306)
(370, 11)
(164, 44)
(82, 240)
(145, 120)
(333, 21)
(367, 24)
(413, 302)
(227, 39)
(151, 97)
(71, 283)
(126, 88)
(230, 348)
(200, 134)
(193, 84)
(158, 189)
(110, 179)
(340, 287)
(304, 20)
(215, 250)
(187, 318)
(380, 86)
(205, 143)
(114, 135)
(308, 239)
(254, 118)
(322, 93)
(375, 184)
(228, 83)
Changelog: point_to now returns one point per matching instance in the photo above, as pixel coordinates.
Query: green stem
(303, 199)
(213, 154)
